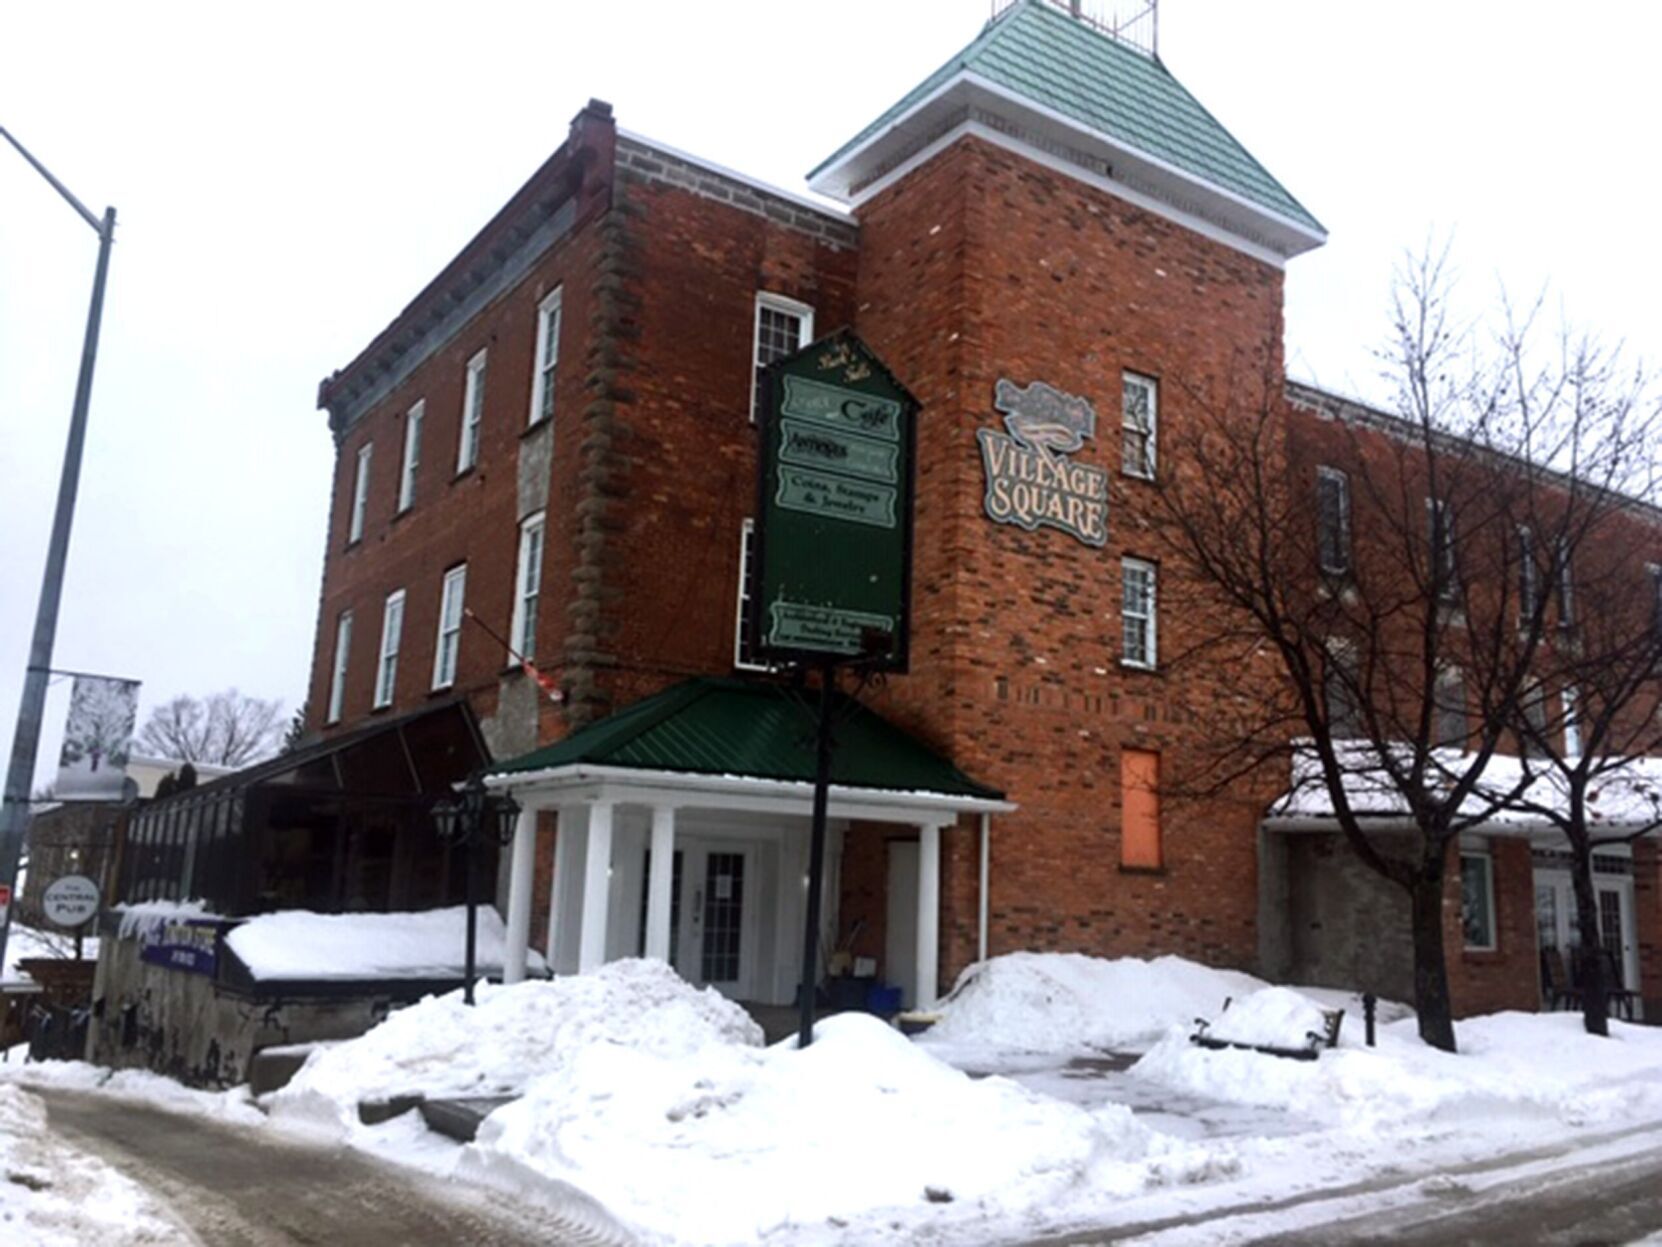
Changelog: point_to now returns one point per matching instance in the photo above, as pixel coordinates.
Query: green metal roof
(1042, 55)
(756, 729)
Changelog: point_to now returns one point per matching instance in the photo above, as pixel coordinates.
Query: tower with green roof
(1040, 79)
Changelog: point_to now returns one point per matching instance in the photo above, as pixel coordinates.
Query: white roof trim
(579, 783)
(767, 188)
(967, 88)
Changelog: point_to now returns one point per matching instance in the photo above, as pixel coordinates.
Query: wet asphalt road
(238, 1187)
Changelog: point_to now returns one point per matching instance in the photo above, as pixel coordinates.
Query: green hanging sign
(832, 566)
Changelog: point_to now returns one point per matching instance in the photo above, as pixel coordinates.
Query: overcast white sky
(288, 176)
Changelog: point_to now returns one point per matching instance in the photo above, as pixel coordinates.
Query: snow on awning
(1625, 799)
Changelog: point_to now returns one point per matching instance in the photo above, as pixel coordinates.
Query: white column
(981, 915)
(565, 898)
(521, 868)
(929, 912)
(660, 874)
(597, 888)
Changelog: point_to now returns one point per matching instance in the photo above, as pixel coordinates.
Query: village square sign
(1030, 479)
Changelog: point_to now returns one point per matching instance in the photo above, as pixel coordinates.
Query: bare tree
(223, 729)
(1366, 564)
(1586, 542)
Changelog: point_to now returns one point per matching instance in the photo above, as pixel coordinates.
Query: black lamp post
(468, 819)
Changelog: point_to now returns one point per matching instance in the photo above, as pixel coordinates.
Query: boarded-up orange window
(1140, 809)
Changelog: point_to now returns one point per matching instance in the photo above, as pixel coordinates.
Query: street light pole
(14, 802)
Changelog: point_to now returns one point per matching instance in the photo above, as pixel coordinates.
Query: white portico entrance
(708, 869)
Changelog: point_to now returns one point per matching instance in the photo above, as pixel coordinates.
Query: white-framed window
(744, 643)
(412, 455)
(1139, 422)
(1571, 702)
(783, 327)
(360, 495)
(1566, 585)
(1138, 625)
(528, 584)
(473, 413)
(547, 359)
(1529, 585)
(1477, 901)
(337, 675)
(1445, 573)
(1333, 521)
(1449, 703)
(1341, 689)
(450, 627)
(392, 631)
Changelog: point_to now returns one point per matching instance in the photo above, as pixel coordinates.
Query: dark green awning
(754, 730)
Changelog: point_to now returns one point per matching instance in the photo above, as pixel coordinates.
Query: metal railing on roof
(1135, 23)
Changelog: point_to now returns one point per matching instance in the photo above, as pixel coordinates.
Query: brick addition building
(550, 455)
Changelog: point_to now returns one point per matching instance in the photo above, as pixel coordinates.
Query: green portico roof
(754, 729)
(1038, 53)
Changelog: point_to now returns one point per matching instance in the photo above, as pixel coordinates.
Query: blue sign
(187, 944)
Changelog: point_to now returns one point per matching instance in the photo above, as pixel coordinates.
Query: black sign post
(832, 565)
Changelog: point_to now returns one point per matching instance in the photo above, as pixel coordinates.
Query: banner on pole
(832, 567)
(92, 766)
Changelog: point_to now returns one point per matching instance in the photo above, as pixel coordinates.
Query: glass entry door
(717, 888)
(1555, 919)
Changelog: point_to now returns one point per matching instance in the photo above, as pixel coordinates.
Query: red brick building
(551, 452)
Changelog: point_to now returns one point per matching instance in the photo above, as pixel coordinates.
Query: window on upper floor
(360, 495)
(1341, 690)
(337, 673)
(1333, 522)
(448, 648)
(1529, 584)
(1449, 709)
(1570, 702)
(412, 456)
(783, 327)
(1139, 420)
(1444, 570)
(1138, 623)
(392, 632)
(744, 643)
(1140, 846)
(547, 359)
(473, 413)
(528, 584)
(1566, 585)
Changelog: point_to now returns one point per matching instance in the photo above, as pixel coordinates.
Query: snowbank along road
(235, 1187)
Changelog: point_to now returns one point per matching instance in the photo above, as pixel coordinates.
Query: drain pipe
(981, 916)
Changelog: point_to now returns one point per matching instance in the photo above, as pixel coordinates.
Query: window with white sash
(1137, 613)
(547, 360)
(360, 495)
(528, 584)
(412, 456)
(783, 327)
(1139, 418)
(392, 631)
(473, 413)
(450, 627)
(337, 676)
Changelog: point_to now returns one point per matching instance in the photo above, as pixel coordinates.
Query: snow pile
(1541, 1065)
(136, 1085)
(443, 1048)
(1068, 1002)
(143, 919)
(732, 1143)
(52, 1195)
(298, 944)
(1276, 1017)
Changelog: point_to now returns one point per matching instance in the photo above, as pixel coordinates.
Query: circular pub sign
(70, 901)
